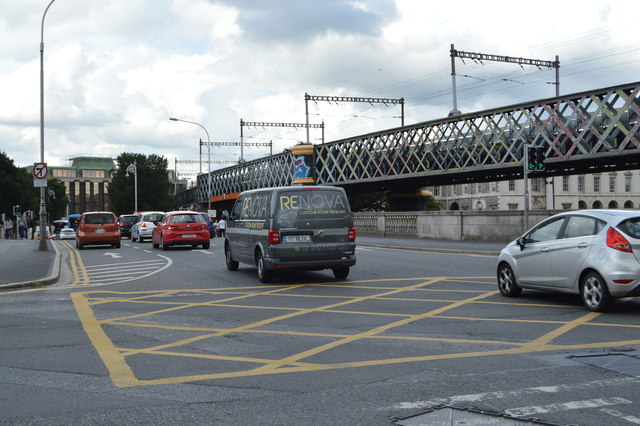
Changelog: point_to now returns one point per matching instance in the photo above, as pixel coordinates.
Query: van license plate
(188, 235)
(297, 238)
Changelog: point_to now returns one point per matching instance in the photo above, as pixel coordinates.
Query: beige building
(619, 189)
(87, 182)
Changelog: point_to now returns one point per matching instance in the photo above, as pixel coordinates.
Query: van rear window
(324, 203)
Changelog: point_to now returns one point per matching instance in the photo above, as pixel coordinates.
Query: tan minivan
(98, 228)
(291, 228)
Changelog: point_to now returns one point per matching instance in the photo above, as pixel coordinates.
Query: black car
(124, 222)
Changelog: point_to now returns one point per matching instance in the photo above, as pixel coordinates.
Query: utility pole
(385, 101)
(479, 57)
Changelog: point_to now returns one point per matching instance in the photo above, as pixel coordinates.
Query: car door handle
(583, 245)
(544, 249)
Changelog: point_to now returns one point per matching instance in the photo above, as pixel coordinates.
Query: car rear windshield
(631, 227)
(98, 219)
(152, 218)
(327, 204)
(186, 218)
(128, 219)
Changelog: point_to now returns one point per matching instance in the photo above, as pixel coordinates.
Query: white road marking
(476, 397)
(565, 406)
(621, 415)
(205, 252)
(113, 255)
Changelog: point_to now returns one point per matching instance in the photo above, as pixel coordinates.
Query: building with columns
(87, 182)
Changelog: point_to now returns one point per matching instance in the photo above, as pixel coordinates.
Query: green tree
(368, 201)
(153, 184)
(56, 199)
(16, 187)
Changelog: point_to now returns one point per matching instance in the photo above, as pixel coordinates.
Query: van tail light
(351, 235)
(617, 241)
(274, 236)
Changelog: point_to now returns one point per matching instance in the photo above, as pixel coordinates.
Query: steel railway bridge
(587, 132)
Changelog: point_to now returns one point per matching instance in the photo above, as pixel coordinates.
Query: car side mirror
(522, 242)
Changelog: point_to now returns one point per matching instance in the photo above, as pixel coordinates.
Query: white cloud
(116, 71)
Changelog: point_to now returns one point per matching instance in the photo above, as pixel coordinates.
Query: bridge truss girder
(586, 132)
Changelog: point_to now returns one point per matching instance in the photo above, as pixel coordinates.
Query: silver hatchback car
(593, 253)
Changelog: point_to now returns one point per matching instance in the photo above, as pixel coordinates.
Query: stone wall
(449, 225)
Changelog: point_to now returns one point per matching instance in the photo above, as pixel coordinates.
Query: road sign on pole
(40, 173)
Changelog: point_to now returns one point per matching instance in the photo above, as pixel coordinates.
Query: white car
(593, 253)
(144, 224)
(67, 234)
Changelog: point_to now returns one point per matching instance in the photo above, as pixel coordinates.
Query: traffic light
(16, 210)
(540, 158)
(535, 158)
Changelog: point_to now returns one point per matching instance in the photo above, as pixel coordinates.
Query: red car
(97, 228)
(181, 228)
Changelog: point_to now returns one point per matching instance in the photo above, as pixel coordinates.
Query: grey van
(291, 228)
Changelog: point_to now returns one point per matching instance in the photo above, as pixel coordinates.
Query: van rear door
(313, 222)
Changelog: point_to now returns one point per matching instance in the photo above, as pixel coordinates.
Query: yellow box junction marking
(89, 305)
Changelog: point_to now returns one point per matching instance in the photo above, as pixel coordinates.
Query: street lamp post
(133, 168)
(208, 153)
(43, 204)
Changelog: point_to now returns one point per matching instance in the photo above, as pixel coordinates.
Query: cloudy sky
(115, 71)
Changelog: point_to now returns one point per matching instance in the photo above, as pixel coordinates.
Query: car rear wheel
(232, 265)
(206, 245)
(341, 273)
(264, 275)
(507, 281)
(163, 246)
(140, 239)
(154, 244)
(594, 292)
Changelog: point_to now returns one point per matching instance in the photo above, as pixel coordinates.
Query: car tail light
(143, 224)
(170, 228)
(351, 236)
(617, 241)
(274, 236)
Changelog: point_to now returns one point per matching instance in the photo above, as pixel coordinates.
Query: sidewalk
(487, 248)
(21, 263)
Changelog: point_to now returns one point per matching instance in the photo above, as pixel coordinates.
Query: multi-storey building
(87, 182)
(619, 189)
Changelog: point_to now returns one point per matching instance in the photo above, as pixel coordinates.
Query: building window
(580, 183)
(627, 183)
(566, 206)
(512, 185)
(612, 183)
(535, 184)
(565, 183)
(93, 173)
(596, 184)
(436, 190)
(513, 206)
(494, 186)
(62, 173)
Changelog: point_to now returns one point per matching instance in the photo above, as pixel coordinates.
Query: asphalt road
(143, 336)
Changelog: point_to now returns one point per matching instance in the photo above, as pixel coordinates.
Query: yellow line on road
(119, 371)
(78, 269)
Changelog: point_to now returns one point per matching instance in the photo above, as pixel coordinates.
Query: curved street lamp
(209, 154)
(43, 204)
(133, 168)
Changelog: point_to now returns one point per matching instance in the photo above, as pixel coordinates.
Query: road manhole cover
(451, 416)
(621, 363)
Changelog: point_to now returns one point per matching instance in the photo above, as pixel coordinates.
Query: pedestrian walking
(216, 230)
(222, 227)
(8, 228)
(22, 227)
